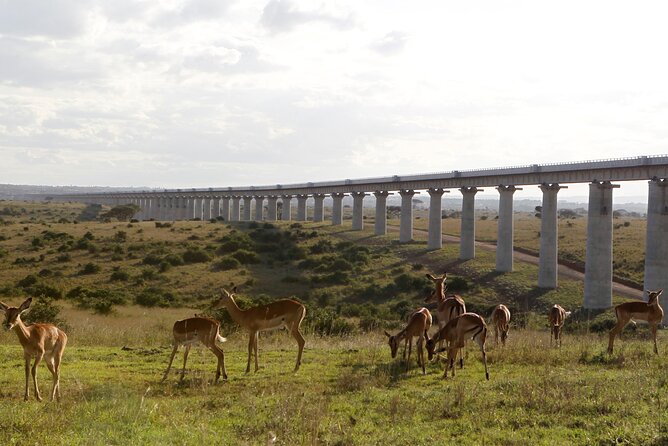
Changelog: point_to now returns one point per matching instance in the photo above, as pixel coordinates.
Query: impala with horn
(649, 311)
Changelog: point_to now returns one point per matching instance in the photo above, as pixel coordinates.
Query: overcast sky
(211, 93)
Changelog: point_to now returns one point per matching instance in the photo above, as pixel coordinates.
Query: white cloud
(284, 15)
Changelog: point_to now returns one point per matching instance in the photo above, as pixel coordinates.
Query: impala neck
(21, 331)
(234, 310)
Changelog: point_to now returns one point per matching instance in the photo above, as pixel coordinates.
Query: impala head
(13, 314)
(653, 297)
(225, 298)
(430, 344)
(393, 343)
(439, 291)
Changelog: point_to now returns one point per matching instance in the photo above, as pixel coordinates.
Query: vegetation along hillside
(117, 287)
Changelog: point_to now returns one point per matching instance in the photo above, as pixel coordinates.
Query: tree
(122, 212)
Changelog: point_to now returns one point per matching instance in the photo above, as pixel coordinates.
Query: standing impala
(197, 329)
(649, 311)
(557, 316)
(418, 323)
(286, 313)
(501, 321)
(456, 333)
(39, 341)
(448, 307)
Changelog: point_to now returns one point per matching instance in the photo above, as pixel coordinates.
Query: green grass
(348, 391)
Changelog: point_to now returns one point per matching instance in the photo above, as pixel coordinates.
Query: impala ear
(387, 334)
(658, 292)
(430, 277)
(3, 306)
(445, 275)
(568, 313)
(25, 305)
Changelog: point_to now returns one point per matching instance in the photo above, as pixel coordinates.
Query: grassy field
(118, 315)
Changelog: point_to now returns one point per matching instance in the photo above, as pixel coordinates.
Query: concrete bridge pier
(162, 213)
(380, 226)
(435, 240)
(598, 259)
(181, 203)
(191, 208)
(406, 224)
(235, 212)
(319, 207)
(548, 254)
(247, 207)
(259, 207)
(206, 208)
(225, 208)
(358, 210)
(656, 246)
(272, 208)
(301, 207)
(199, 207)
(467, 228)
(504, 244)
(286, 207)
(337, 208)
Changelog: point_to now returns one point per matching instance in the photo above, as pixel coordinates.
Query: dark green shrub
(152, 259)
(44, 310)
(246, 257)
(174, 259)
(164, 266)
(457, 283)
(27, 281)
(119, 276)
(321, 247)
(41, 289)
(225, 264)
(234, 241)
(62, 258)
(90, 268)
(155, 297)
(196, 255)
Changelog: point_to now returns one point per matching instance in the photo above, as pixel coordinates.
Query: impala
(39, 341)
(418, 323)
(456, 333)
(286, 313)
(448, 306)
(649, 311)
(188, 332)
(557, 316)
(501, 321)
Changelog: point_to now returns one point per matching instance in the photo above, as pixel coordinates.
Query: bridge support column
(247, 207)
(337, 208)
(598, 260)
(180, 208)
(301, 207)
(504, 244)
(190, 212)
(548, 254)
(406, 224)
(271, 207)
(380, 226)
(259, 207)
(656, 246)
(358, 210)
(225, 208)
(319, 207)
(286, 207)
(235, 212)
(467, 229)
(435, 240)
(162, 213)
(206, 208)
(199, 208)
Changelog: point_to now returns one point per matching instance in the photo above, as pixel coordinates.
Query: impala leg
(56, 368)
(171, 359)
(617, 329)
(410, 346)
(38, 359)
(300, 342)
(52, 369)
(27, 370)
(221, 362)
(653, 328)
(257, 335)
(250, 351)
(420, 353)
(185, 359)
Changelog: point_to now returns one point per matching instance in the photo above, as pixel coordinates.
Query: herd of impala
(455, 326)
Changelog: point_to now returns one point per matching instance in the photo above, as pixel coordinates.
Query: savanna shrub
(225, 264)
(195, 255)
(246, 257)
(44, 310)
(89, 268)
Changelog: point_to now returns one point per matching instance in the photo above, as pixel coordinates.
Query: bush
(45, 311)
(225, 264)
(246, 257)
(155, 297)
(196, 255)
(119, 276)
(326, 322)
(235, 241)
(90, 268)
(27, 281)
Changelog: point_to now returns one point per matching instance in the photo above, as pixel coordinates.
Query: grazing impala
(557, 316)
(418, 323)
(286, 313)
(456, 333)
(501, 321)
(39, 341)
(197, 329)
(448, 306)
(649, 311)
